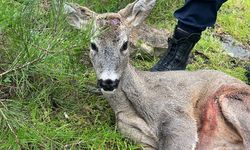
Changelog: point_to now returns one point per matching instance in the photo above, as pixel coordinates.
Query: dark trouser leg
(199, 14)
(193, 18)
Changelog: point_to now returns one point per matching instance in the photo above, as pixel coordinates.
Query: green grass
(50, 104)
(235, 19)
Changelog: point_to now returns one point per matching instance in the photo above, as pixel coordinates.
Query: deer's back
(184, 85)
(197, 94)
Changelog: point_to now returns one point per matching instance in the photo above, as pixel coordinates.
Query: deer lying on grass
(175, 110)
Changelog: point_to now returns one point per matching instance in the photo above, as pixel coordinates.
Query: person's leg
(193, 18)
(198, 13)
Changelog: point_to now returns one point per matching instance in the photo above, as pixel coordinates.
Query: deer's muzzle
(108, 85)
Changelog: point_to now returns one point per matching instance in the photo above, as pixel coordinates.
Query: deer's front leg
(179, 133)
(137, 129)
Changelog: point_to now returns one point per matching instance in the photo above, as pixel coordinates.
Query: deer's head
(109, 45)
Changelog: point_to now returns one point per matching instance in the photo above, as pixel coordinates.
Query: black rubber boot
(179, 48)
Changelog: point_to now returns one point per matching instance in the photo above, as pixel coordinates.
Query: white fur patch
(68, 8)
(108, 92)
(109, 75)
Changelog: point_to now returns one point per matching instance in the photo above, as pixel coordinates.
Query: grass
(49, 104)
(236, 21)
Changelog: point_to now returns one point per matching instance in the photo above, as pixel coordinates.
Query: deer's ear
(135, 13)
(78, 16)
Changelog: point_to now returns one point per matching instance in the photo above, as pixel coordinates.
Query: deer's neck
(132, 81)
(132, 95)
(135, 90)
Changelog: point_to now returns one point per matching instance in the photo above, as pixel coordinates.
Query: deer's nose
(108, 85)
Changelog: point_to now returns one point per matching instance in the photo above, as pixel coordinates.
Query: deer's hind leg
(235, 106)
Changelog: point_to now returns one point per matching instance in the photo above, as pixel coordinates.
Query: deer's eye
(124, 46)
(94, 47)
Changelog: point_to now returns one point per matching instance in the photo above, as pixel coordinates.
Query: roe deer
(175, 110)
